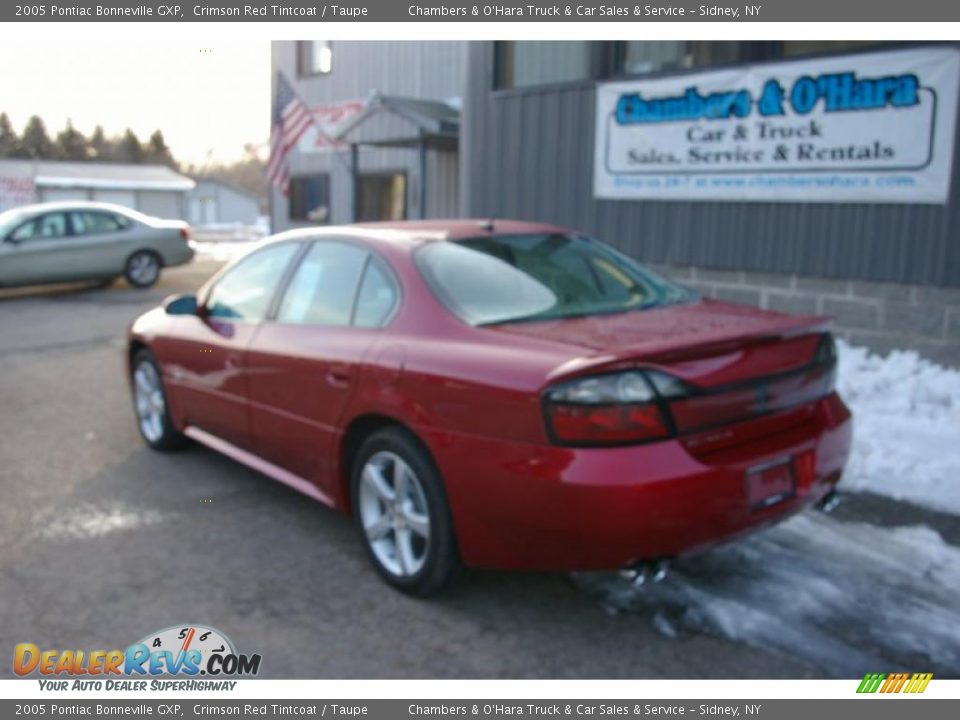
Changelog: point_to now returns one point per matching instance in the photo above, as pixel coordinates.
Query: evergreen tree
(129, 149)
(157, 150)
(72, 144)
(100, 148)
(35, 143)
(8, 137)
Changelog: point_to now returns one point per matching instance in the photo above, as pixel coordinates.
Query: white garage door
(57, 194)
(126, 198)
(161, 204)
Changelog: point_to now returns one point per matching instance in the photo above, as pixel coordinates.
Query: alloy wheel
(148, 395)
(143, 269)
(394, 514)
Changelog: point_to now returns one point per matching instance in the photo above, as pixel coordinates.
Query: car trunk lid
(713, 364)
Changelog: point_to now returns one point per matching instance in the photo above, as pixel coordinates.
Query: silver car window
(94, 223)
(49, 225)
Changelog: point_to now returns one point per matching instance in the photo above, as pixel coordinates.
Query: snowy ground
(906, 427)
(846, 597)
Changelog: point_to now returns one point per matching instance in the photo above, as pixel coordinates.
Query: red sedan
(496, 394)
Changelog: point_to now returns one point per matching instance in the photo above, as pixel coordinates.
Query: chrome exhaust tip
(829, 502)
(639, 573)
(661, 568)
(635, 574)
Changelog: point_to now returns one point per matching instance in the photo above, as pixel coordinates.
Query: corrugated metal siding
(528, 154)
(426, 70)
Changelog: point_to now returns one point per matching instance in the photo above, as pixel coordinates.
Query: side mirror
(181, 305)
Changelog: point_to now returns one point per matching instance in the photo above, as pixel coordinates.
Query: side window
(244, 293)
(93, 223)
(323, 288)
(51, 225)
(376, 298)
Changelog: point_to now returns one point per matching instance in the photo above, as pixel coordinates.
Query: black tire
(442, 566)
(166, 438)
(142, 269)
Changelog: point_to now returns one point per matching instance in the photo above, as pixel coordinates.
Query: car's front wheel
(402, 513)
(150, 404)
(142, 269)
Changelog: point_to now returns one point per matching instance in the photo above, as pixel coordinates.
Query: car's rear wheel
(402, 513)
(150, 404)
(142, 269)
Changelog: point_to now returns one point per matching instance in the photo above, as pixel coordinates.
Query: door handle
(338, 377)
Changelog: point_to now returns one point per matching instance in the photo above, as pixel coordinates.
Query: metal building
(804, 176)
(385, 145)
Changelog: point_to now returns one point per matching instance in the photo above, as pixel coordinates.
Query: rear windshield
(511, 278)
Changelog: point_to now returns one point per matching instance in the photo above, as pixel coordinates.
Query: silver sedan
(62, 242)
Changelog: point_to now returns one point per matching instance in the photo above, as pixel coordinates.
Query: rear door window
(96, 223)
(377, 296)
(324, 286)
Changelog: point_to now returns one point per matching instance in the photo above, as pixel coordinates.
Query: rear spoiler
(680, 348)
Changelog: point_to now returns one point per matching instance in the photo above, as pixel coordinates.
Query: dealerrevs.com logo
(185, 651)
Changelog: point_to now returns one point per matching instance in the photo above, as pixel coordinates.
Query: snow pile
(222, 250)
(844, 596)
(906, 426)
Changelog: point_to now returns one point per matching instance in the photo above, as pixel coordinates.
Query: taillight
(826, 357)
(185, 233)
(636, 406)
(616, 408)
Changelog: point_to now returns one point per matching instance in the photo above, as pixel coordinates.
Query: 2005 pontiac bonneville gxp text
(496, 394)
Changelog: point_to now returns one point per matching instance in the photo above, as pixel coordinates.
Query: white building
(215, 202)
(152, 189)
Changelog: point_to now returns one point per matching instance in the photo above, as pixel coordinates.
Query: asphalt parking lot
(103, 541)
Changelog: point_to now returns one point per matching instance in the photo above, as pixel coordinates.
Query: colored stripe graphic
(894, 683)
(871, 682)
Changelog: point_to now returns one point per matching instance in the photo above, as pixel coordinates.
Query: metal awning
(390, 121)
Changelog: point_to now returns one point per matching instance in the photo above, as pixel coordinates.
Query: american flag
(291, 118)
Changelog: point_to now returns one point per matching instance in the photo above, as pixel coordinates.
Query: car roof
(53, 206)
(411, 233)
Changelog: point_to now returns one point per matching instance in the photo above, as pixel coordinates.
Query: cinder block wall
(881, 316)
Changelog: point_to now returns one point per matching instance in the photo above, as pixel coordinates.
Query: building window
(530, 62)
(310, 198)
(641, 57)
(383, 196)
(799, 48)
(314, 57)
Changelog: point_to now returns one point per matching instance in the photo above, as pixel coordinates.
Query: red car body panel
(287, 394)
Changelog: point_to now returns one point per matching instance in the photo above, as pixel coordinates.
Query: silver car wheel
(394, 514)
(143, 268)
(148, 396)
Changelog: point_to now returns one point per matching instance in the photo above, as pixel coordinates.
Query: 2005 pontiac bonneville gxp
(496, 394)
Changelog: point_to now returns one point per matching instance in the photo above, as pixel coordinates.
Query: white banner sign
(875, 127)
(328, 121)
(16, 191)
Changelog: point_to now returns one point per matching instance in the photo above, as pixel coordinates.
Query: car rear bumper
(522, 506)
(177, 253)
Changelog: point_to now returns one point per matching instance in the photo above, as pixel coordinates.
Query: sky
(208, 100)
